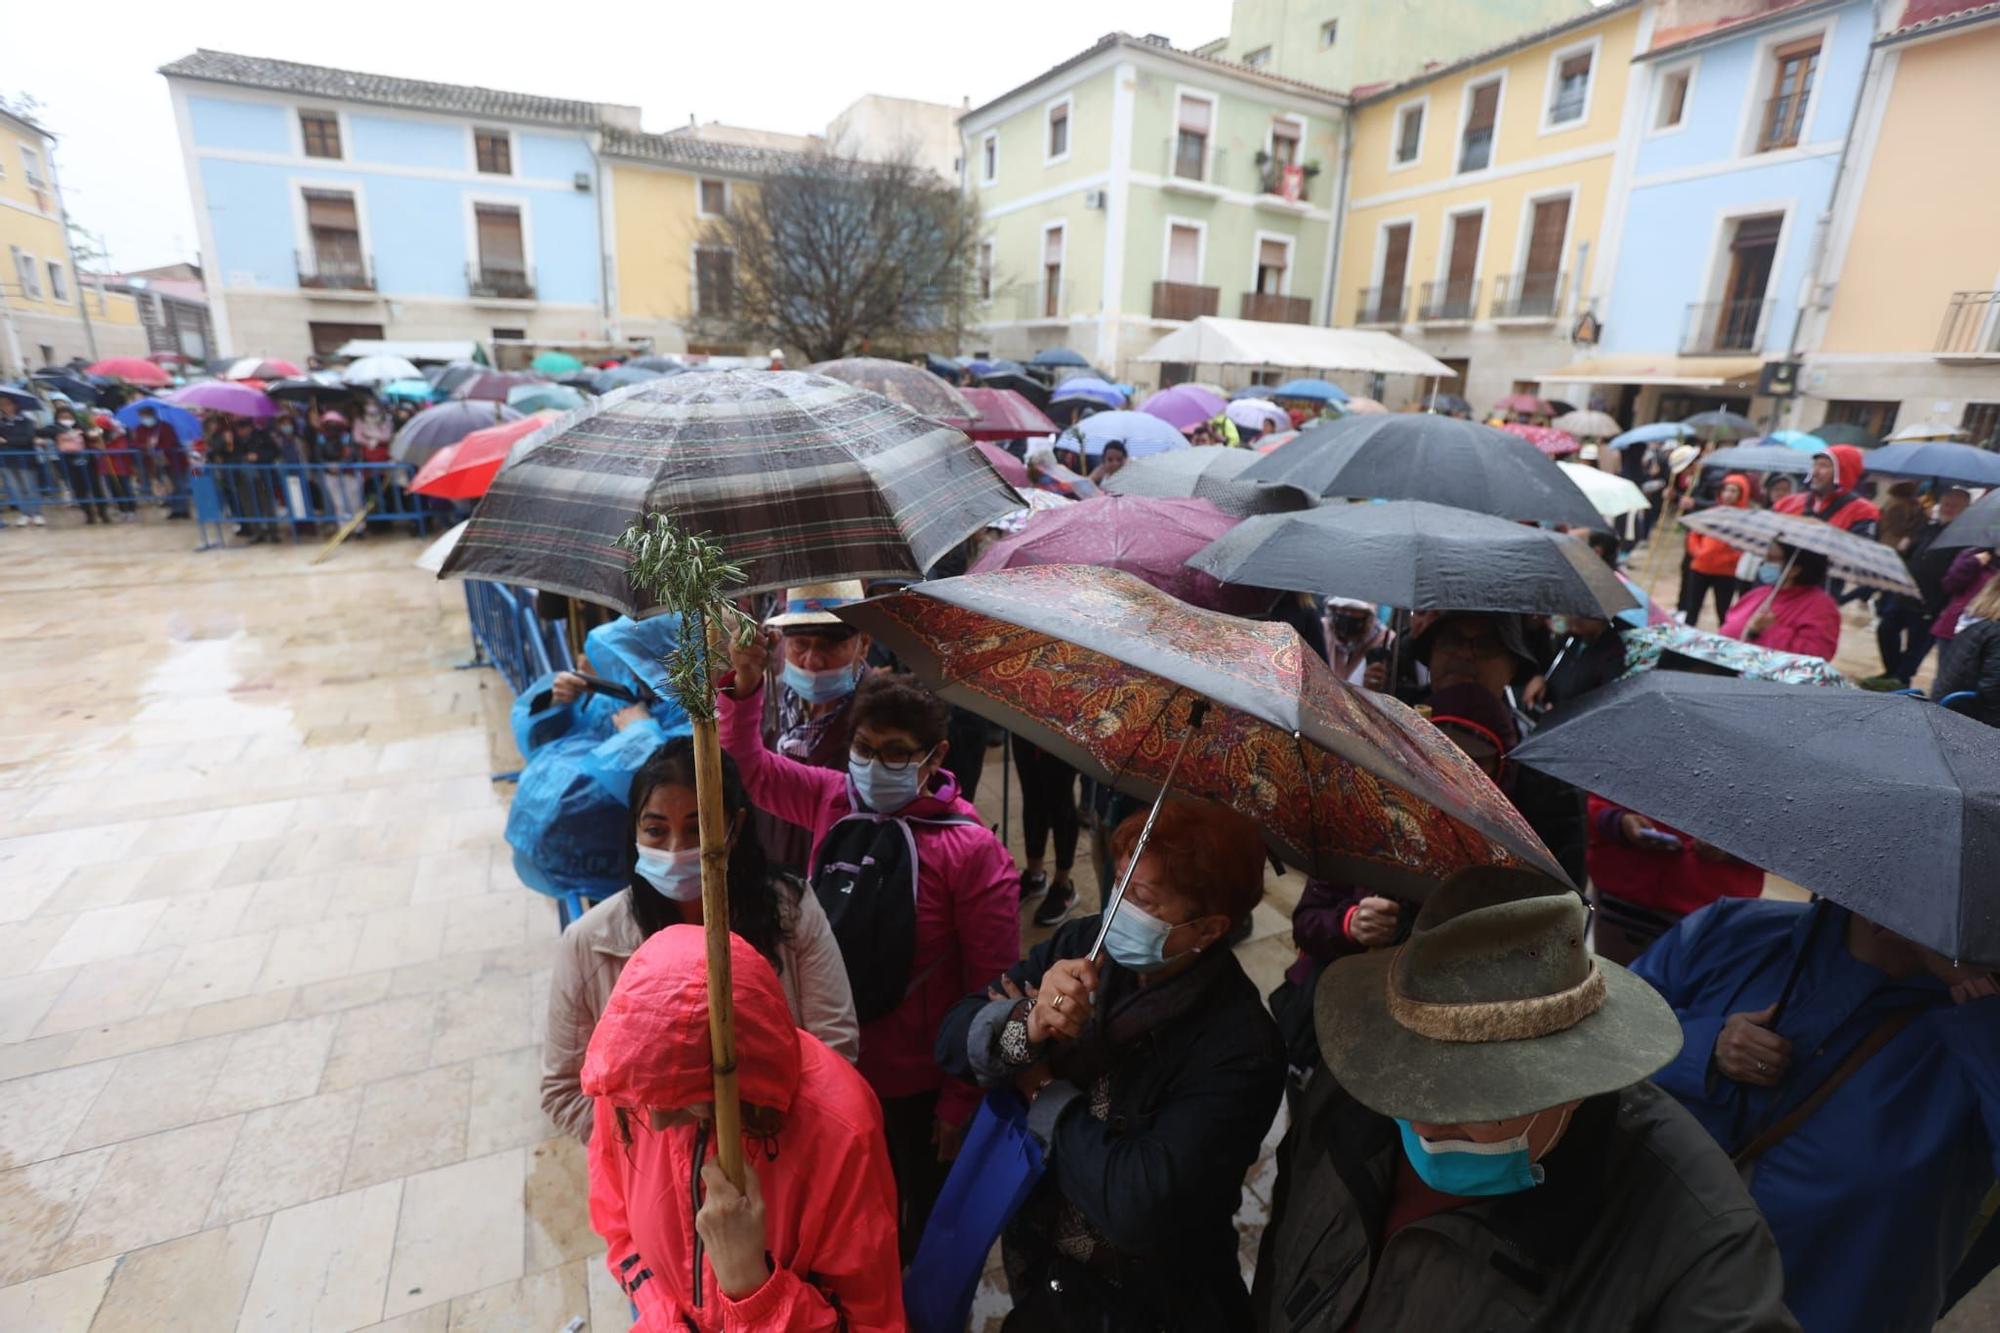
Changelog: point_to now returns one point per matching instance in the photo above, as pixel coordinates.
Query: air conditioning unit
(583, 182)
(1093, 198)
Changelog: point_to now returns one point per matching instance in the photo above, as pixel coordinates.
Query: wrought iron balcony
(1382, 305)
(1726, 326)
(1197, 166)
(1450, 301)
(1528, 295)
(500, 282)
(333, 271)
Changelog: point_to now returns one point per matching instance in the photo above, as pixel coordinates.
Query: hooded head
(650, 1049)
(1743, 489)
(1847, 461)
(630, 651)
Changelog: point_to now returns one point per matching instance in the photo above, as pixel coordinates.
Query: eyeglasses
(893, 760)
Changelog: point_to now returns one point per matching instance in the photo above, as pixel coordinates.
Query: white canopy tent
(1211, 340)
(409, 350)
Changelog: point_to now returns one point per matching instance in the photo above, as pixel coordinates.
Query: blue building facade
(335, 205)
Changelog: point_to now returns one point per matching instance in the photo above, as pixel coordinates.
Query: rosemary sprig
(689, 573)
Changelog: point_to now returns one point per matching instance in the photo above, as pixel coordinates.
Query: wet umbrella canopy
(1761, 458)
(1420, 556)
(900, 382)
(1207, 473)
(1720, 425)
(1977, 526)
(435, 427)
(1144, 536)
(1854, 558)
(1886, 804)
(1937, 460)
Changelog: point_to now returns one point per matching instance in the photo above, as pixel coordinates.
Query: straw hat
(1681, 456)
(1492, 1009)
(813, 605)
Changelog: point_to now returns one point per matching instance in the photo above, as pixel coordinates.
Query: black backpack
(866, 879)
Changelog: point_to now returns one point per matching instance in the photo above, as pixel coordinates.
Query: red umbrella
(1143, 535)
(1005, 415)
(1011, 469)
(262, 368)
(1555, 443)
(131, 369)
(170, 358)
(464, 470)
(1524, 403)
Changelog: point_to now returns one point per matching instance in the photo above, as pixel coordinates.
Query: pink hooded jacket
(829, 1199)
(968, 903)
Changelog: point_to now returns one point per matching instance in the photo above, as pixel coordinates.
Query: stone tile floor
(270, 995)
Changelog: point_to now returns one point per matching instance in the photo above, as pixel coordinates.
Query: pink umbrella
(1005, 415)
(236, 400)
(262, 368)
(1548, 439)
(1184, 406)
(1146, 536)
(130, 369)
(1011, 469)
(1525, 404)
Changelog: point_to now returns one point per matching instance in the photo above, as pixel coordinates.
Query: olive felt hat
(1492, 1009)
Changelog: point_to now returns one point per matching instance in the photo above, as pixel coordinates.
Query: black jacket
(1159, 1179)
(1972, 662)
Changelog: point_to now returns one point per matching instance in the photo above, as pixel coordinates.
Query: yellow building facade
(1475, 199)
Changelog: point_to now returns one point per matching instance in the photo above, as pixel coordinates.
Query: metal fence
(509, 634)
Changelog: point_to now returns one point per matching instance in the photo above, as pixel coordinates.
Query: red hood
(650, 1048)
(1744, 490)
(1847, 463)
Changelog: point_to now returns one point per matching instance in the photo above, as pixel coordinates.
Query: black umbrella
(1977, 526)
(1761, 458)
(1207, 473)
(664, 364)
(1721, 425)
(1058, 356)
(307, 389)
(1886, 804)
(1451, 404)
(1419, 556)
(1422, 456)
(68, 385)
(1846, 432)
(944, 368)
(1027, 386)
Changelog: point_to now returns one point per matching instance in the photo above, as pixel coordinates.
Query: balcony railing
(1181, 165)
(334, 272)
(1725, 326)
(1971, 325)
(1784, 121)
(1381, 305)
(1184, 300)
(1271, 181)
(1475, 150)
(495, 282)
(1272, 309)
(1451, 301)
(1528, 295)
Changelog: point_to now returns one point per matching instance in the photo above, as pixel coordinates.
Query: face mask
(67, 423)
(148, 419)
(819, 687)
(1137, 940)
(1768, 571)
(677, 875)
(1472, 1170)
(882, 789)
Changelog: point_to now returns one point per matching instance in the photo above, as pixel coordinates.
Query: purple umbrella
(1184, 406)
(435, 427)
(1146, 536)
(236, 400)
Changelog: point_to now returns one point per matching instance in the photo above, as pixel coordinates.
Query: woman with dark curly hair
(773, 912)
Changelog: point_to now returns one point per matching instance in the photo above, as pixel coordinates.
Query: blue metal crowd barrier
(104, 484)
(510, 635)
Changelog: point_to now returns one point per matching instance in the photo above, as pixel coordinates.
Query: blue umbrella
(622, 376)
(537, 397)
(1058, 356)
(1937, 460)
(1090, 389)
(414, 391)
(1795, 439)
(981, 369)
(1318, 391)
(1140, 432)
(1659, 430)
(72, 388)
(186, 425)
(24, 400)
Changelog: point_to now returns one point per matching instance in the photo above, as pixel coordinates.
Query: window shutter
(1184, 255)
(499, 236)
(1052, 246)
(330, 210)
(1194, 115)
(1485, 108)
(1574, 67)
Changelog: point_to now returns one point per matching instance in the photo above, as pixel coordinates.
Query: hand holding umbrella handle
(1196, 712)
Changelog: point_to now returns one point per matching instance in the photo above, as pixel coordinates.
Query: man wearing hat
(823, 661)
(1482, 1149)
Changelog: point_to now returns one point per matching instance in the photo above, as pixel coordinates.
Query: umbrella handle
(1196, 712)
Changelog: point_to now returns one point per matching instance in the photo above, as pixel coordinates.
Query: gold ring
(1057, 1003)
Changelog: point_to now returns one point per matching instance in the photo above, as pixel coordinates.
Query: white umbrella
(372, 370)
(434, 555)
(1588, 424)
(1610, 493)
(1925, 430)
(1259, 414)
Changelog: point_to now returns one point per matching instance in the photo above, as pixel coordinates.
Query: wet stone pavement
(271, 997)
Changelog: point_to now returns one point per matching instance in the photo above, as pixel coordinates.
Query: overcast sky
(775, 64)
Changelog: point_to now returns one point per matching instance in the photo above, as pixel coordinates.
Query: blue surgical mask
(677, 875)
(1768, 571)
(883, 789)
(819, 687)
(1137, 940)
(1472, 1170)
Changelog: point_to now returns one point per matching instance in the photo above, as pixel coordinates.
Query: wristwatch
(1015, 1048)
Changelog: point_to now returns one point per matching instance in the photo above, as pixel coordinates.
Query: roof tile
(381, 89)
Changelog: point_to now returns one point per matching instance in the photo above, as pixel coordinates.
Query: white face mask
(676, 875)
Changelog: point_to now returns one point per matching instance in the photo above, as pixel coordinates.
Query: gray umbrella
(1421, 456)
(1977, 526)
(1761, 458)
(1420, 556)
(435, 427)
(1208, 473)
(1886, 804)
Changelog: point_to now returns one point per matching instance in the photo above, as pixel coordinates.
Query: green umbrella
(555, 363)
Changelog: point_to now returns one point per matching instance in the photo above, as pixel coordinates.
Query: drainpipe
(1337, 231)
(1823, 229)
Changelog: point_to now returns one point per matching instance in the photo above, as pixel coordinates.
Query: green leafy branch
(690, 574)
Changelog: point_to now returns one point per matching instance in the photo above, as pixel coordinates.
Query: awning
(1683, 372)
(1214, 341)
(443, 350)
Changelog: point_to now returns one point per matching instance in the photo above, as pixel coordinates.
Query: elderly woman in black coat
(1151, 1077)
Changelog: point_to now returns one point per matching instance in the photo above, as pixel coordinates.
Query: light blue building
(1730, 149)
(334, 205)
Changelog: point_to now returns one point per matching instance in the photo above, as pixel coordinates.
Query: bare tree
(831, 254)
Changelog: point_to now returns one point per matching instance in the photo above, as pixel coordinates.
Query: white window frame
(1523, 233)
(1271, 134)
(1447, 224)
(36, 175)
(984, 271)
(1326, 40)
(1291, 244)
(1042, 269)
(520, 204)
(1200, 230)
(58, 280)
(1422, 104)
(1593, 44)
(28, 272)
(727, 196)
(1259, 58)
(340, 119)
(1465, 118)
(989, 157)
(1763, 65)
(1657, 104)
(1183, 93)
(351, 185)
(694, 271)
(472, 133)
(1068, 104)
(1381, 259)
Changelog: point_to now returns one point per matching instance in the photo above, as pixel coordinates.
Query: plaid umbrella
(1346, 784)
(1860, 560)
(802, 479)
(900, 382)
(1002, 414)
(1555, 443)
(1143, 535)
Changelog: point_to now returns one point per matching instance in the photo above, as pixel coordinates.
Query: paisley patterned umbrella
(1346, 784)
(900, 382)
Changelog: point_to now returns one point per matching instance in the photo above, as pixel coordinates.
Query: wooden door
(1541, 274)
(1395, 271)
(1463, 263)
